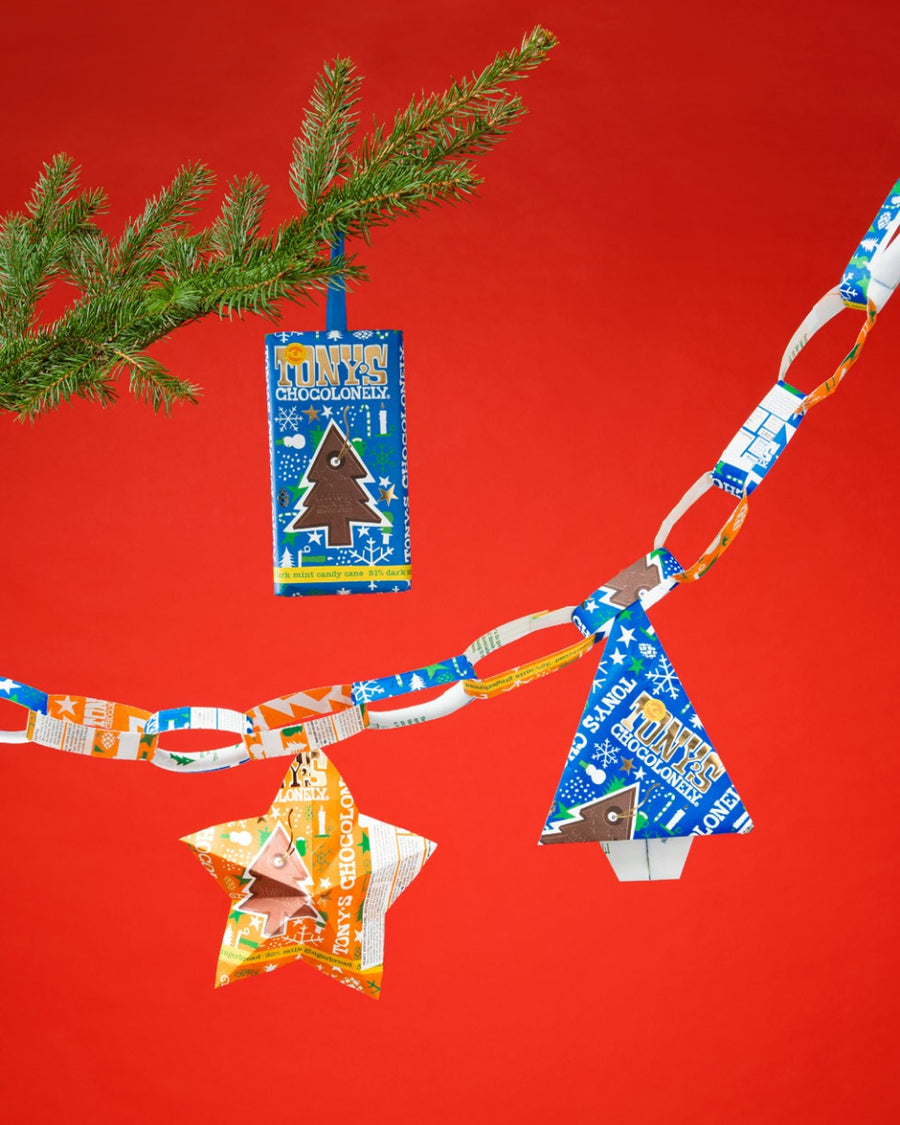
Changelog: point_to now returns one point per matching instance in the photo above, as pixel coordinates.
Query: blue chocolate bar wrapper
(337, 432)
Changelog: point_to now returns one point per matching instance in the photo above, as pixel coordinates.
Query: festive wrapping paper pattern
(650, 578)
(419, 679)
(309, 880)
(23, 694)
(303, 720)
(337, 426)
(753, 450)
(854, 286)
(641, 764)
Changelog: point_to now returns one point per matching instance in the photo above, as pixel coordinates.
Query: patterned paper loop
(647, 580)
(314, 734)
(32, 698)
(300, 706)
(464, 692)
(831, 384)
(824, 310)
(761, 440)
(199, 718)
(869, 281)
(81, 738)
(404, 683)
(719, 545)
(876, 258)
(524, 673)
(222, 758)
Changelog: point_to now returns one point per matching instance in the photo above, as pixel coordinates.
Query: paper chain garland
(312, 878)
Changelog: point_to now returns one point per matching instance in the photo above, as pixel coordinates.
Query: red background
(582, 341)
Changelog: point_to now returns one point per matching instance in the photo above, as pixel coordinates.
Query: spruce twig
(159, 275)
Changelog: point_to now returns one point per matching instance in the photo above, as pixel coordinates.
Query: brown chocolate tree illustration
(633, 581)
(336, 499)
(610, 818)
(277, 887)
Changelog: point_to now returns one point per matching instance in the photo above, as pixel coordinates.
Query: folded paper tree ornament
(309, 880)
(642, 777)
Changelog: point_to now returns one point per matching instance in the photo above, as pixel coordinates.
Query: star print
(315, 537)
(64, 706)
(387, 494)
(627, 765)
(639, 773)
(590, 604)
(7, 684)
(385, 482)
(636, 665)
(617, 657)
(312, 414)
(627, 636)
(274, 898)
(326, 410)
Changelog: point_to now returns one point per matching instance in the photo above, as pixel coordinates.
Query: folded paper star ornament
(309, 880)
(642, 777)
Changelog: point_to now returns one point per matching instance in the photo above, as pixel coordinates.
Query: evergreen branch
(58, 180)
(372, 200)
(237, 228)
(34, 247)
(160, 276)
(164, 216)
(320, 153)
(148, 380)
(476, 98)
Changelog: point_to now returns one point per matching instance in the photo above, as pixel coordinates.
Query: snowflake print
(848, 285)
(605, 754)
(663, 676)
(366, 690)
(287, 419)
(646, 650)
(370, 555)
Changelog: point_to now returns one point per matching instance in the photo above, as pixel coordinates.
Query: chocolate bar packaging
(337, 430)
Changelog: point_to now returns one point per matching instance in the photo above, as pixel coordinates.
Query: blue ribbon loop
(336, 304)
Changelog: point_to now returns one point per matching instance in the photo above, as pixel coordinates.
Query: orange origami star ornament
(310, 880)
